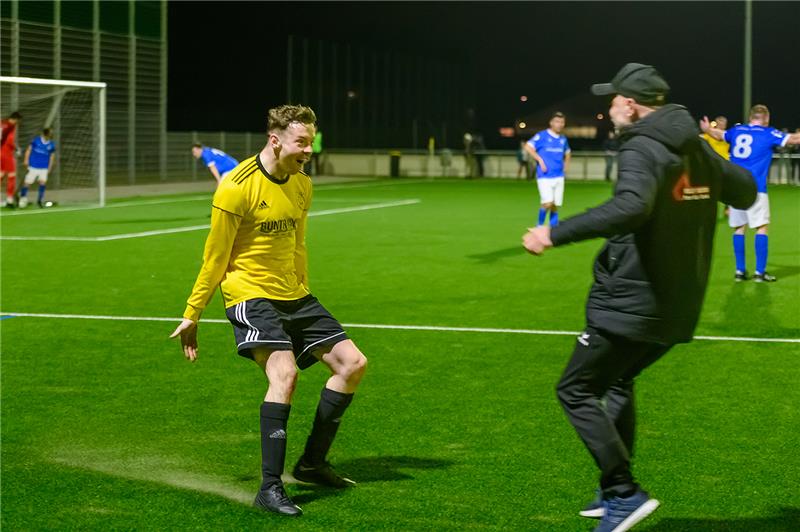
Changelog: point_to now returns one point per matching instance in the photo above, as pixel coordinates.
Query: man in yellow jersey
(256, 252)
(719, 146)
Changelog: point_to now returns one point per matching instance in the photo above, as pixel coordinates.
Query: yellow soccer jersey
(256, 244)
(719, 146)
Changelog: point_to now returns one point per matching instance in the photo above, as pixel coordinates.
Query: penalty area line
(190, 228)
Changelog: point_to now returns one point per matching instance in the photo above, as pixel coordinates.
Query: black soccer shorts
(301, 325)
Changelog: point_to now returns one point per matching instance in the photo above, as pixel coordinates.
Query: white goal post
(76, 113)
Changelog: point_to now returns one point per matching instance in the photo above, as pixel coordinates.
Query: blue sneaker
(622, 513)
(594, 509)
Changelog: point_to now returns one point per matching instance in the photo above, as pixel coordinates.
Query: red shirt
(8, 143)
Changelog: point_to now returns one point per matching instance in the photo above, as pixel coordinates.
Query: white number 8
(742, 149)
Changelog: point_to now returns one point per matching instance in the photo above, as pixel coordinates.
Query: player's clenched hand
(705, 125)
(187, 330)
(537, 239)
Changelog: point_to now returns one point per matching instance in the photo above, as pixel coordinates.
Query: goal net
(75, 112)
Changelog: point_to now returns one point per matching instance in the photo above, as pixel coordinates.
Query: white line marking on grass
(205, 197)
(199, 227)
(391, 327)
(371, 184)
(366, 207)
(109, 237)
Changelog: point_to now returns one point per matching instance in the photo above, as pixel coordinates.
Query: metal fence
(585, 165)
(100, 41)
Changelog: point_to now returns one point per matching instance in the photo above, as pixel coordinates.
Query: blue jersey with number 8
(751, 148)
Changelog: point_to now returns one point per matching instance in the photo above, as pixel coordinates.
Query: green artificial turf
(106, 426)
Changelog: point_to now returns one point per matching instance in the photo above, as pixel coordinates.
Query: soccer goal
(75, 111)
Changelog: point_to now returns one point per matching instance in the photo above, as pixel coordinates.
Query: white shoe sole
(595, 513)
(638, 515)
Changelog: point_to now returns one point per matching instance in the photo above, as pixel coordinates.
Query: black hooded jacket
(650, 277)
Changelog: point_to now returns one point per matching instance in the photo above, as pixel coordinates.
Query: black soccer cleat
(764, 278)
(740, 276)
(323, 475)
(274, 499)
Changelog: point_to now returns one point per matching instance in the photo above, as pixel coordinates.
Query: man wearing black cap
(649, 278)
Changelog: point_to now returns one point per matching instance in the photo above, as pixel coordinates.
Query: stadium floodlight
(76, 112)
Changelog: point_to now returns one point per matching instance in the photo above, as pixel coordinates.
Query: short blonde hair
(279, 118)
(758, 111)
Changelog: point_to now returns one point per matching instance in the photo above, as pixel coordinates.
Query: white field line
(372, 184)
(385, 326)
(366, 207)
(199, 227)
(199, 198)
(206, 197)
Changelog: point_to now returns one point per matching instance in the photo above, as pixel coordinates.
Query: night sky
(225, 72)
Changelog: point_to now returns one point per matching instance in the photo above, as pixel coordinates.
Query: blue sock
(762, 246)
(738, 251)
(23, 191)
(41, 193)
(553, 218)
(542, 214)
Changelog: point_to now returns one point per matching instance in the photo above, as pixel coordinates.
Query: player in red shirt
(8, 161)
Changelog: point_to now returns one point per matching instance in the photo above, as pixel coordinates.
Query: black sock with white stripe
(274, 417)
(330, 410)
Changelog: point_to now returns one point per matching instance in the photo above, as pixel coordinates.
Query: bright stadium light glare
(523, 125)
(600, 116)
(523, 98)
(351, 95)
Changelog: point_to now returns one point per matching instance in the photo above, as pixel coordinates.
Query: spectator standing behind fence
(551, 151)
(479, 149)
(218, 162)
(316, 155)
(611, 149)
(469, 155)
(796, 161)
(524, 161)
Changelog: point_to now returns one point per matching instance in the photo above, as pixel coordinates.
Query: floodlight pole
(748, 58)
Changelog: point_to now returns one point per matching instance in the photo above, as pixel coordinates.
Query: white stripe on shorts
(318, 341)
(252, 335)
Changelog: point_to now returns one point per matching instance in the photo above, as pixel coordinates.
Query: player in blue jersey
(751, 148)
(39, 158)
(217, 161)
(550, 149)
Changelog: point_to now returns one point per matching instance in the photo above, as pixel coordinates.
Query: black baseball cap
(643, 83)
